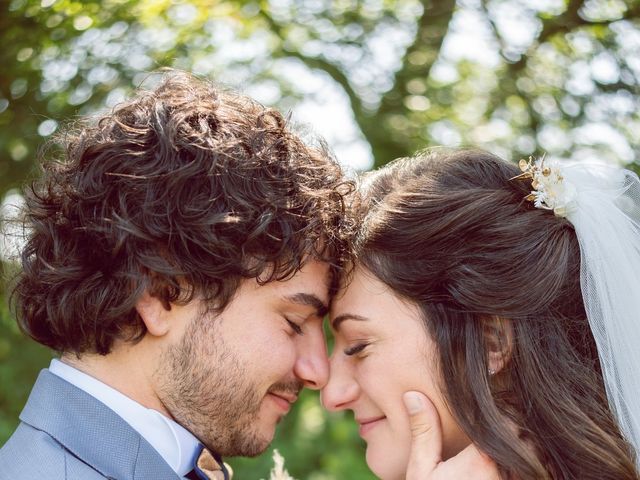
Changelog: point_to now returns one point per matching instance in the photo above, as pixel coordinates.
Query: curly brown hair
(451, 232)
(182, 191)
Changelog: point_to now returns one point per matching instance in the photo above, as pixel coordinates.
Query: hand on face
(425, 459)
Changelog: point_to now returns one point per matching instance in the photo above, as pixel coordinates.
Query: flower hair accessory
(551, 191)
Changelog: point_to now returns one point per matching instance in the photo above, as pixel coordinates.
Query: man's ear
(498, 340)
(154, 314)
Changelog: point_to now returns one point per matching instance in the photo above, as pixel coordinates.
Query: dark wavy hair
(181, 191)
(449, 231)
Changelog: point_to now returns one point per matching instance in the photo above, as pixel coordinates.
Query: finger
(470, 463)
(426, 436)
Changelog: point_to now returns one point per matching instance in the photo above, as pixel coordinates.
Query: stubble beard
(207, 391)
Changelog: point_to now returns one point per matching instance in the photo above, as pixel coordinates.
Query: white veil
(603, 204)
(606, 218)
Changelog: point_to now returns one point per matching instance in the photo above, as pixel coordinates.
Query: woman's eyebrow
(335, 323)
(311, 300)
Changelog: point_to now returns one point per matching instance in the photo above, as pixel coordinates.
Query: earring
(492, 372)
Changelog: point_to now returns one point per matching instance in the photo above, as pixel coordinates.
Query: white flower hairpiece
(551, 191)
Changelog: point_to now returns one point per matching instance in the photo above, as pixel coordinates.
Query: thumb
(426, 436)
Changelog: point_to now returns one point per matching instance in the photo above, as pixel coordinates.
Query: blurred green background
(378, 79)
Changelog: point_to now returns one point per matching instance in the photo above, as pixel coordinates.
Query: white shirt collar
(174, 443)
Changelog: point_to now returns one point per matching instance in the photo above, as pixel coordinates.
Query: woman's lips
(367, 424)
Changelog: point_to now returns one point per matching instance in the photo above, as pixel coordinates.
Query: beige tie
(210, 466)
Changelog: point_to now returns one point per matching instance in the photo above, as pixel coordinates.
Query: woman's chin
(389, 465)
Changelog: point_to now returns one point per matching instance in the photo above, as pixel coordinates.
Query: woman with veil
(508, 296)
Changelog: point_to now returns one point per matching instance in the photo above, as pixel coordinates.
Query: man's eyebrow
(335, 323)
(311, 300)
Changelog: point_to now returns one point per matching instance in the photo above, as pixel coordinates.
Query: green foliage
(566, 84)
(20, 361)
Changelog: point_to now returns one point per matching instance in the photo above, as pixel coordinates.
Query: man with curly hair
(181, 255)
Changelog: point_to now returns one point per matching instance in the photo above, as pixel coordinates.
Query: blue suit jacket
(65, 433)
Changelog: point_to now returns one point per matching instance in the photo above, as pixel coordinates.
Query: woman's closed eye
(355, 349)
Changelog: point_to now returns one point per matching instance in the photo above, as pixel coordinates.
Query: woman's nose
(341, 389)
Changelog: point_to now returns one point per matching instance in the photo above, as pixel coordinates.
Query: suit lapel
(91, 431)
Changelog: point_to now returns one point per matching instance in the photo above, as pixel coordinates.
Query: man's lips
(283, 400)
(369, 423)
(289, 397)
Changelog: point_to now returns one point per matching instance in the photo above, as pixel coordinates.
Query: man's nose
(312, 364)
(341, 389)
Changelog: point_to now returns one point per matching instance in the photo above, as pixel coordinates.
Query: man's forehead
(310, 285)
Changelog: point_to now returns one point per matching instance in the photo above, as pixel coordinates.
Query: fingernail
(413, 402)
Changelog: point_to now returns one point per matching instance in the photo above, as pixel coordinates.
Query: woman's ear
(154, 313)
(498, 340)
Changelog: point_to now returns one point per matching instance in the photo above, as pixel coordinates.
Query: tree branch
(433, 26)
(565, 23)
(335, 73)
(318, 63)
(562, 24)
